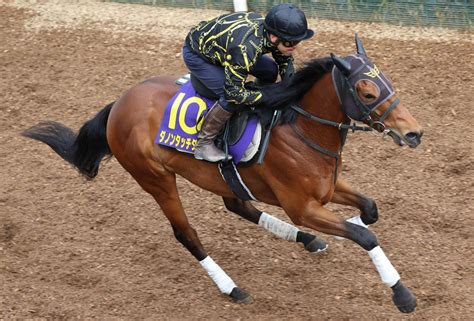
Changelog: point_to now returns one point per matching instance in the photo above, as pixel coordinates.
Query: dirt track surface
(71, 248)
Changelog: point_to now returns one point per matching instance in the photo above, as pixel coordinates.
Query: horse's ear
(360, 48)
(341, 64)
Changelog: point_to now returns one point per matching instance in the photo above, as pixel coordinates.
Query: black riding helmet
(288, 22)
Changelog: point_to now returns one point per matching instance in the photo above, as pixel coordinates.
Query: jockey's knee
(361, 235)
(268, 79)
(265, 70)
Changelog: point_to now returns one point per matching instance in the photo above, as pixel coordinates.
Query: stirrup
(211, 154)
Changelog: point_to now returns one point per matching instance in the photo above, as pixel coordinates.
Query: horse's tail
(84, 150)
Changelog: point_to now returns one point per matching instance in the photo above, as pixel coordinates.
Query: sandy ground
(70, 248)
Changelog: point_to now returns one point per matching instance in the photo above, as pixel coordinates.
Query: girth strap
(232, 177)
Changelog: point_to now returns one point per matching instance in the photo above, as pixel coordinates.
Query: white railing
(240, 5)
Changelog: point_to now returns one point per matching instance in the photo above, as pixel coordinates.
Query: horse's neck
(321, 101)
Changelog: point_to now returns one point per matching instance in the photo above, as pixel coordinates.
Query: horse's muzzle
(413, 139)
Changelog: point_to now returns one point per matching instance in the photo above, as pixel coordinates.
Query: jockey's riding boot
(212, 124)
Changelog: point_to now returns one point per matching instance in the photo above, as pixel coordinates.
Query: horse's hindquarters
(135, 118)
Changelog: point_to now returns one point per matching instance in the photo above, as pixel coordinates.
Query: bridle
(368, 115)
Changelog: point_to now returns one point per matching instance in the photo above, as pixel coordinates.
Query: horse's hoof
(240, 296)
(403, 298)
(316, 246)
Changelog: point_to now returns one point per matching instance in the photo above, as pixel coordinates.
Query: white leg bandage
(220, 278)
(278, 227)
(357, 220)
(387, 272)
(354, 220)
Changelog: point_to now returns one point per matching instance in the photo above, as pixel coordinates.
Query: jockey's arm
(234, 87)
(285, 64)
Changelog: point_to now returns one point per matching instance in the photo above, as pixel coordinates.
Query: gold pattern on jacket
(235, 41)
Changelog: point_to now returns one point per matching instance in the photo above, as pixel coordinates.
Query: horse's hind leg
(276, 226)
(346, 195)
(163, 189)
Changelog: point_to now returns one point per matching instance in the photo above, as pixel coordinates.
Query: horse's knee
(369, 212)
(361, 235)
(232, 205)
(190, 242)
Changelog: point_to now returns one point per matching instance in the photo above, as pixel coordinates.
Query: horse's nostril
(413, 136)
(413, 139)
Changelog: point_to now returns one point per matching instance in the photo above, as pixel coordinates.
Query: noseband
(352, 106)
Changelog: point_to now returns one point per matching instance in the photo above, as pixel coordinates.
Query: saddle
(241, 136)
(236, 125)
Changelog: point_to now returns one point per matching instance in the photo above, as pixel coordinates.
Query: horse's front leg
(274, 225)
(315, 216)
(344, 194)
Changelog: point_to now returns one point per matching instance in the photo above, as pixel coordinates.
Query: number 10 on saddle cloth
(180, 126)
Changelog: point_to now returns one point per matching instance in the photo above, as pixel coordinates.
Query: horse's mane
(281, 95)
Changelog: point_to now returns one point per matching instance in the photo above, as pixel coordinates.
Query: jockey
(222, 52)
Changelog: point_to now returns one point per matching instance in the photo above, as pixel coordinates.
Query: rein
(368, 115)
(339, 126)
(342, 127)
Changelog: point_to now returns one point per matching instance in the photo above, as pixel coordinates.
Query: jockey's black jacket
(235, 41)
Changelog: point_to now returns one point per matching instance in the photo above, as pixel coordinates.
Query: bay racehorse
(300, 172)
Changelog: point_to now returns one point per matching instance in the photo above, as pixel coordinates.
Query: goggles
(289, 44)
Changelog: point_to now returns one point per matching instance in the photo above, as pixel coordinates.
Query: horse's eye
(367, 90)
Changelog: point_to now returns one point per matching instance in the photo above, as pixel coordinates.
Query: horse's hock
(73, 249)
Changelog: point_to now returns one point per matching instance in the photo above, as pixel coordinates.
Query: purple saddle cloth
(183, 118)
